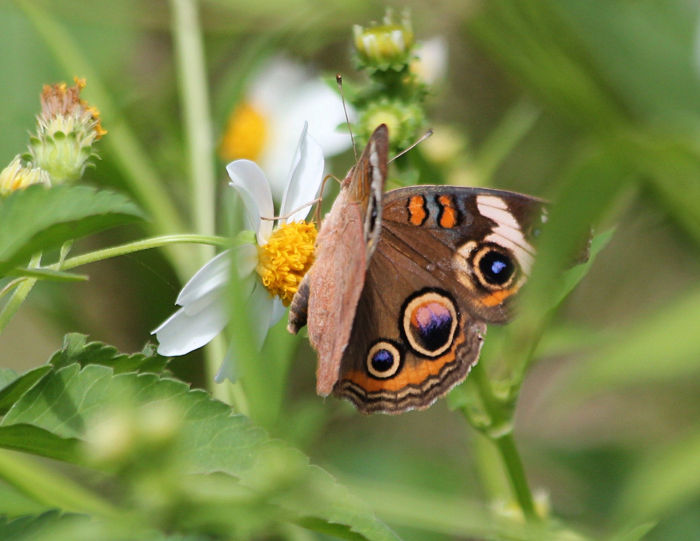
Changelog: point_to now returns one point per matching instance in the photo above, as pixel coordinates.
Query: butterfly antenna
(423, 138)
(292, 212)
(339, 82)
(317, 212)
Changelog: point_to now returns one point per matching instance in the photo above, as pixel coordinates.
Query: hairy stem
(501, 434)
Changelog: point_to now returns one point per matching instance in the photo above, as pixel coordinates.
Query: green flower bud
(404, 120)
(17, 176)
(386, 46)
(67, 128)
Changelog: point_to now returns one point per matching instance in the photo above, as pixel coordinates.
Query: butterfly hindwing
(448, 260)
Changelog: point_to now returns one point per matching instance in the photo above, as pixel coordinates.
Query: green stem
(47, 487)
(19, 294)
(501, 434)
(138, 246)
(192, 77)
(514, 125)
(25, 285)
(516, 474)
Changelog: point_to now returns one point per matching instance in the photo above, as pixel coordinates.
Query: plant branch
(500, 432)
(19, 294)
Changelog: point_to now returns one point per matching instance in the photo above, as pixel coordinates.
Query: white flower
(263, 125)
(431, 60)
(204, 311)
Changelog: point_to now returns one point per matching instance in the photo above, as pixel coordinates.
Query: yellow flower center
(286, 258)
(245, 135)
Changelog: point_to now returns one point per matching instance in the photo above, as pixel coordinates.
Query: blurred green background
(607, 422)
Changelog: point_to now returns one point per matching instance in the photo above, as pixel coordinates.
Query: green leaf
(37, 219)
(663, 481)
(35, 440)
(574, 276)
(14, 389)
(7, 375)
(48, 274)
(663, 346)
(13, 503)
(644, 50)
(76, 349)
(211, 439)
(634, 533)
(27, 526)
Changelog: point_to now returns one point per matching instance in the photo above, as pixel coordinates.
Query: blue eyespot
(431, 325)
(429, 321)
(382, 360)
(496, 268)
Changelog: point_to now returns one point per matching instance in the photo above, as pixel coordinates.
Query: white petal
(261, 306)
(273, 83)
(183, 332)
(431, 64)
(322, 107)
(212, 275)
(250, 182)
(266, 312)
(304, 178)
(228, 369)
(278, 310)
(215, 273)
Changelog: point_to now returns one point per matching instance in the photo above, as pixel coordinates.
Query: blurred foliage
(594, 105)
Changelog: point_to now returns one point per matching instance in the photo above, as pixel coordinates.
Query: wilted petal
(305, 178)
(250, 182)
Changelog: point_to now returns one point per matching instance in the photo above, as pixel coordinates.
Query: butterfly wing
(327, 298)
(448, 261)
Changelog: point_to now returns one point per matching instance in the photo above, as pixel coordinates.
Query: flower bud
(67, 128)
(17, 176)
(385, 46)
(404, 121)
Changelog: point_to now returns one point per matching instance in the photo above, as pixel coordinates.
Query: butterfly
(404, 282)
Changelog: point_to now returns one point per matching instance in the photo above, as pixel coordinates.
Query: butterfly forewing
(328, 297)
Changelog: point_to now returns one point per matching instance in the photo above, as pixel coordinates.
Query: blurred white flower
(273, 266)
(431, 62)
(263, 125)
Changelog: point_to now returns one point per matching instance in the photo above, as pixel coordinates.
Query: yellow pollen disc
(245, 135)
(286, 258)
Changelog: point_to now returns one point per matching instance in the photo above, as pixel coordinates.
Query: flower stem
(138, 246)
(194, 93)
(19, 294)
(501, 434)
(516, 474)
(49, 488)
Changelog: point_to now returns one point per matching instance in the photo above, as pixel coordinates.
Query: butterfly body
(405, 282)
